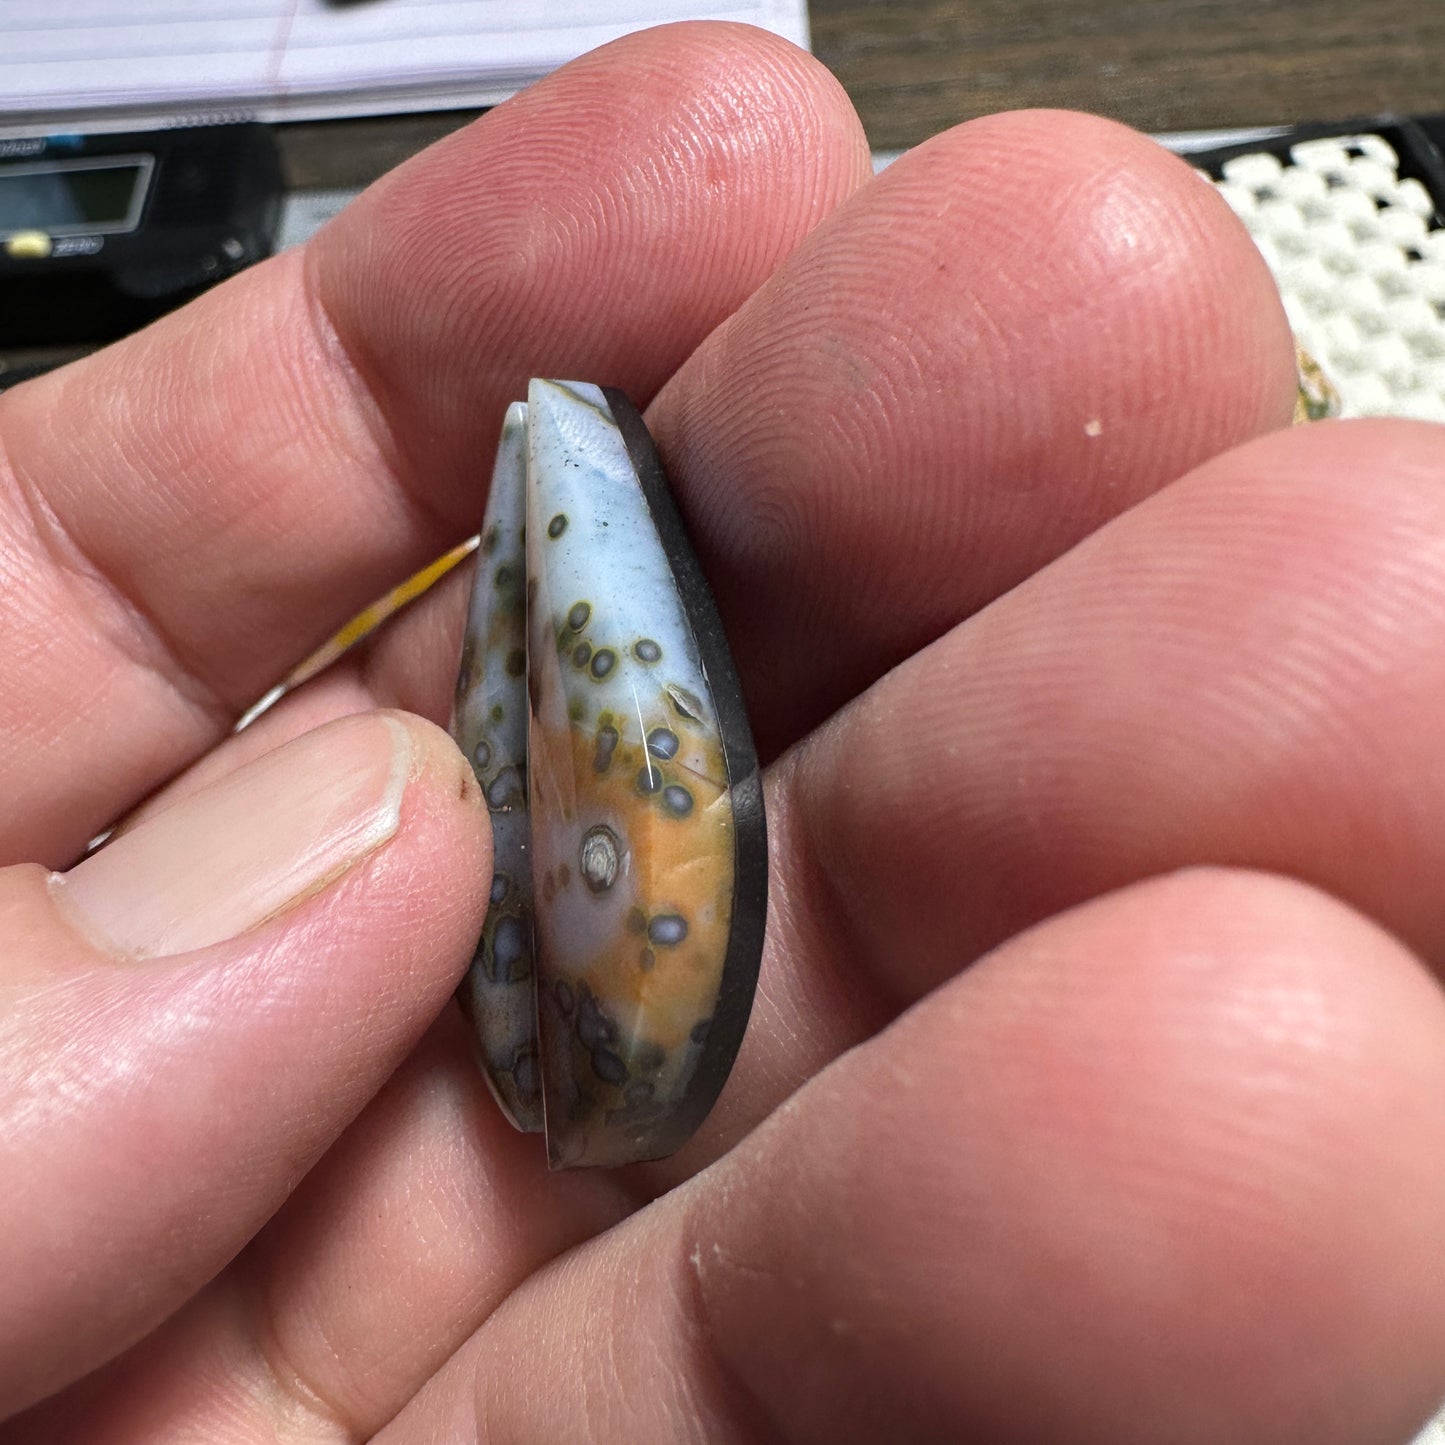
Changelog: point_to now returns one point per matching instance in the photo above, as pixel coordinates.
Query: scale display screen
(100, 234)
(65, 198)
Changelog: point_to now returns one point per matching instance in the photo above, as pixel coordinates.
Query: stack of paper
(153, 62)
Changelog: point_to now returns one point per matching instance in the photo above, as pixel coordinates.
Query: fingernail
(243, 849)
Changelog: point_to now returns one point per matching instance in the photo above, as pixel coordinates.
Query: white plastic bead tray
(1350, 221)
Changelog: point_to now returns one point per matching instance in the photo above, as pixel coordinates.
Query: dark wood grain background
(914, 67)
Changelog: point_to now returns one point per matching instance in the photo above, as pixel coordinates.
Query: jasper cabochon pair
(602, 715)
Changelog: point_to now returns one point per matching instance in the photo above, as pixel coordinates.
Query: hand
(1096, 1083)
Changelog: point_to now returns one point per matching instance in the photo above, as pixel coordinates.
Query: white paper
(151, 62)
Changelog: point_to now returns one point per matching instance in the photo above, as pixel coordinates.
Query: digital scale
(100, 234)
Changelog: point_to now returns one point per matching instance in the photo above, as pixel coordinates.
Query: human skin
(1095, 1087)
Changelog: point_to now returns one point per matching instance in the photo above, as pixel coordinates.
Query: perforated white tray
(1360, 267)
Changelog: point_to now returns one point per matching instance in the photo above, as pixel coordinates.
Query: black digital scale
(101, 233)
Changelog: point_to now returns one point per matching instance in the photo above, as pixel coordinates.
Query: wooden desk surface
(914, 67)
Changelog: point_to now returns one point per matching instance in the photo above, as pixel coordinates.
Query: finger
(197, 1010)
(395, 664)
(1019, 330)
(1149, 276)
(1243, 670)
(806, 1013)
(826, 983)
(1163, 1169)
(1309, 567)
(418, 1223)
(188, 513)
(1226, 1076)
(425, 1216)
(1247, 669)
(338, 692)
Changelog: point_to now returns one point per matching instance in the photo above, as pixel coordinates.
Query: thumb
(192, 1014)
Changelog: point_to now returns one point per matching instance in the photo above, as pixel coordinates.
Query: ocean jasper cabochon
(489, 723)
(640, 934)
